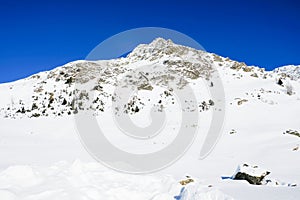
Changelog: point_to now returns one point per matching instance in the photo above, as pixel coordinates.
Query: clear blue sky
(40, 35)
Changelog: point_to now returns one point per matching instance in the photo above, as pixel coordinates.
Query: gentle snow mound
(91, 181)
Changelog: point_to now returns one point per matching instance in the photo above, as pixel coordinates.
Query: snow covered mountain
(37, 127)
(52, 93)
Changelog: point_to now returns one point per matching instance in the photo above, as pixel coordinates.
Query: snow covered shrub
(289, 88)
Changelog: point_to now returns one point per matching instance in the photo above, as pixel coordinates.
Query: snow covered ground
(41, 155)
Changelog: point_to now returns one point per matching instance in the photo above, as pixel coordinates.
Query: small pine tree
(279, 82)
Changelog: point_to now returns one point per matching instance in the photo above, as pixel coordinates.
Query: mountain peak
(161, 43)
(160, 47)
(156, 44)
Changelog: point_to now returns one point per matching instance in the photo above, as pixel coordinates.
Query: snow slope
(41, 156)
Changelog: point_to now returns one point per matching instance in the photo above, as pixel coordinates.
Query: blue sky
(40, 35)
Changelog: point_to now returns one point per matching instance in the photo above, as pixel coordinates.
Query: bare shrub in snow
(289, 88)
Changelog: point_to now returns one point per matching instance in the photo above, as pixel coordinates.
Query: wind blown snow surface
(42, 158)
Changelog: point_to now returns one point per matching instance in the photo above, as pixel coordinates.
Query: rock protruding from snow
(253, 174)
(256, 176)
(291, 71)
(292, 132)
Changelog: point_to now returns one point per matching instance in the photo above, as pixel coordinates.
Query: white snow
(91, 181)
(42, 158)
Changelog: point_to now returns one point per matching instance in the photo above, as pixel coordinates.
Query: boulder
(252, 174)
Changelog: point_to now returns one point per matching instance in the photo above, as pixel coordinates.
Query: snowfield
(92, 181)
(42, 158)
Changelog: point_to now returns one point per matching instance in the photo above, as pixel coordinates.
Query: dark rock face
(254, 180)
